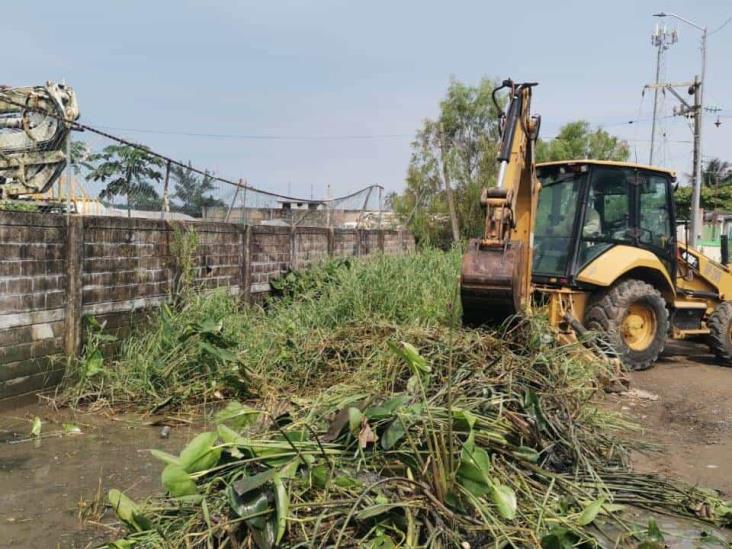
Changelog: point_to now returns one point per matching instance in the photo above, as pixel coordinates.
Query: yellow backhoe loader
(595, 242)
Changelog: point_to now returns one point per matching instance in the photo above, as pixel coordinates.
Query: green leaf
(127, 511)
(474, 469)
(165, 457)
(256, 511)
(387, 408)
(319, 475)
(248, 484)
(590, 512)
(36, 427)
(505, 499)
(178, 482)
(282, 501)
(256, 505)
(71, 429)
(93, 364)
(209, 326)
(533, 408)
(348, 483)
(229, 436)
(464, 420)
(393, 434)
(527, 454)
(376, 510)
(355, 417)
(237, 415)
(416, 362)
(381, 541)
(290, 470)
(200, 453)
(218, 352)
(654, 532)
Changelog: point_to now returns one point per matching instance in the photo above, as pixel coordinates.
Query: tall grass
(209, 343)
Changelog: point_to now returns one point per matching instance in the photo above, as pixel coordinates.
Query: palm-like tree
(193, 191)
(717, 172)
(126, 170)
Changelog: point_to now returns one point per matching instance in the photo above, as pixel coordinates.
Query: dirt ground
(684, 404)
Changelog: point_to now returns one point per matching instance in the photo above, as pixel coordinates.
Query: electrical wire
(719, 28)
(267, 137)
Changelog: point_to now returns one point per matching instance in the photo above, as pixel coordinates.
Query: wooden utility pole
(693, 111)
(448, 189)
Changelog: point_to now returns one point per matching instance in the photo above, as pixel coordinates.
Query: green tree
(577, 140)
(126, 171)
(458, 148)
(80, 155)
(193, 191)
(716, 192)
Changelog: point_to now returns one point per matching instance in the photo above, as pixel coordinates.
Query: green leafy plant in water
(91, 362)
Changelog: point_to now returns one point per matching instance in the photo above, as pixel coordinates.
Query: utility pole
(698, 91)
(697, 221)
(661, 39)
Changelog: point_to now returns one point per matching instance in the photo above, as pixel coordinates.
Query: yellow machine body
(596, 243)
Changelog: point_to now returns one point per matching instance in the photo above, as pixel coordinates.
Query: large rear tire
(633, 320)
(720, 332)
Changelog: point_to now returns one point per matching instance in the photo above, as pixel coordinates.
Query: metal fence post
(166, 204)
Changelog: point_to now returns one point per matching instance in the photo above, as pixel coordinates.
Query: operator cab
(588, 207)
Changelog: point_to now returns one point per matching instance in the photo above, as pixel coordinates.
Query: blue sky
(305, 71)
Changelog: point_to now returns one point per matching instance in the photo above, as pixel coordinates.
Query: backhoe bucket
(490, 282)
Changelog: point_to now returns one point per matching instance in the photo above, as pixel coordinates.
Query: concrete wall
(56, 271)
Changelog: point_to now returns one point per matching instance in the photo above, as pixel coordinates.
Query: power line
(719, 28)
(268, 137)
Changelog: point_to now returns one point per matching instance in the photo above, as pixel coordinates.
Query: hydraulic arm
(496, 270)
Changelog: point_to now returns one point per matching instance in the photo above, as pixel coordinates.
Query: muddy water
(41, 485)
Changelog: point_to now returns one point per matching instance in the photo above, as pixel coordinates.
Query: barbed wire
(80, 126)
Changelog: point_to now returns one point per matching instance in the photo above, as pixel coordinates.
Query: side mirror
(676, 187)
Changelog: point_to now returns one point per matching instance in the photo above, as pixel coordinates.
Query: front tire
(720, 332)
(633, 319)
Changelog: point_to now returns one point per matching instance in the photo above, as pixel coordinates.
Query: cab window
(607, 215)
(555, 221)
(654, 219)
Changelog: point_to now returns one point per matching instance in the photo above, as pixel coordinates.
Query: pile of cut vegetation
(360, 415)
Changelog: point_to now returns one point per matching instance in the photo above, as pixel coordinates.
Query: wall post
(74, 262)
(331, 241)
(293, 248)
(245, 279)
